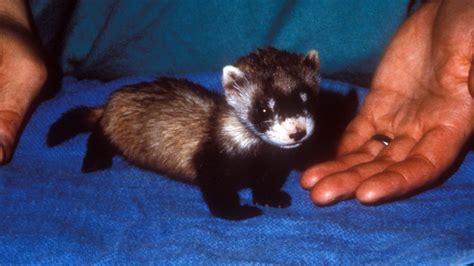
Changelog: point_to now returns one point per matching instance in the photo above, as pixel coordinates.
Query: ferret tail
(72, 123)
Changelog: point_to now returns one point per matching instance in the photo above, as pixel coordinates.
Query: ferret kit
(222, 143)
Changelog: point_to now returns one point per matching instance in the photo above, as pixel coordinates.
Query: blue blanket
(52, 213)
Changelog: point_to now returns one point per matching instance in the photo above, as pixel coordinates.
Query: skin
(22, 72)
(422, 97)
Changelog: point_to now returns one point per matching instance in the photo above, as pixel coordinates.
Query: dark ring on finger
(385, 140)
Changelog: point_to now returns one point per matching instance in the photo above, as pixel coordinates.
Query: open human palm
(421, 98)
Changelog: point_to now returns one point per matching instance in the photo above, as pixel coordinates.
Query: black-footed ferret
(222, 144)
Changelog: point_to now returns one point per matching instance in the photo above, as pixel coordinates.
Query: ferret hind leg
(99, 152)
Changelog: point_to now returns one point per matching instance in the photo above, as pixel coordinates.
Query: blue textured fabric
(52, 213)
(108, 39)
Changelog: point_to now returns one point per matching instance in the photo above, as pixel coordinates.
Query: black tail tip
(70, 124)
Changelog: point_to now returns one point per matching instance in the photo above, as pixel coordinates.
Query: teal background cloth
(108, 39)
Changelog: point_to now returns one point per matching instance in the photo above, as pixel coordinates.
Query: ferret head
(273, 93)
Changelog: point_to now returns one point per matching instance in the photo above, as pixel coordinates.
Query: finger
(365, 153)
(314, 174)
(352, 139)
(425, 163)
(342, 185)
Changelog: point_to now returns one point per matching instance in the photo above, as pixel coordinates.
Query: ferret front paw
(279, 199)
(237, 214)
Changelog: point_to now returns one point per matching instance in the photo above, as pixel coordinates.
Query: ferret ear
(312, 59)
(311, 72)
(232, 78)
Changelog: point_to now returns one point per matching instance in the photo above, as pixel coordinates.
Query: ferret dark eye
(264, 110)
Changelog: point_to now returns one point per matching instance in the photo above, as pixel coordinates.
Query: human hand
(422, 98)
(22, 72)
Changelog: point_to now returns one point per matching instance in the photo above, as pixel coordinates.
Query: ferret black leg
(99, 153)
(223, 200)
(266, 190)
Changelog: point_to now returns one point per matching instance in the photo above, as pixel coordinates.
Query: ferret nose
(298, 135)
